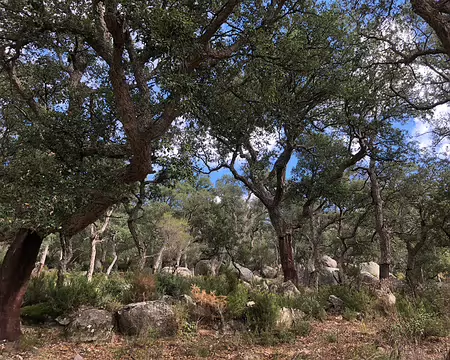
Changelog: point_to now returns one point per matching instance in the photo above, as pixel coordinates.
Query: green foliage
(169, 284)
(307, 303)
(237, 301)
(262, 316)
(75, 292)
(38, 313)
(354, 300)
(420, 319)
(301, 328)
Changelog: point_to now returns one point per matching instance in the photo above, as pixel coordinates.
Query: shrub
(142, 288)
(237, 301)
(210, 300)
(262, 316)
(307, 303)
(38, 313)
(169, 284)
(358, 301)
(419, 320)
(301, 328)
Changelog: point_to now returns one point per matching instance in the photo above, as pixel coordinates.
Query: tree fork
(15, 273)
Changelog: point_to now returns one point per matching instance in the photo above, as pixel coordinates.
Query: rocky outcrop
(371, 267)
(288, 289)
(287, 318)
(335, 304)
(244, 273)
(87, 325)
(329, 262)
(269, 272)
(155, 317)
(207, 268)
(183, 272)
(329, 276)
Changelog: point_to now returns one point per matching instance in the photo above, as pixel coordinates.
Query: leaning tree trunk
(15, 272)
(385, 241)
(96, 237)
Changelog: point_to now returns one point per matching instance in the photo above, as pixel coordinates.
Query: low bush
(237, 302)
(307, 303)
(262, 316)
(169, 284)
(143, 287)
(354, 300)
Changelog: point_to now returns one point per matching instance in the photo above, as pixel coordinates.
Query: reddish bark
(287, 258)
(15, 272)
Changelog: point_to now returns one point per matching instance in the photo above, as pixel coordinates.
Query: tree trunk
(95, 239)
(92, 261)
(284, 246)
(158, 260)
(287, 258)
(15, 273)
(66, 256)
(385, 241)
(111, 266)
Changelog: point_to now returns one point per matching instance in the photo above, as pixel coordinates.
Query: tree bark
(15, 273)
(385, 241)
(66, 257)
(284, 245)
(95, 239)
(42, 261)
(133, 215)
(158, 260)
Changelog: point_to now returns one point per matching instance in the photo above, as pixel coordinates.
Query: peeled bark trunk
(287, 258)
(385, 241)
(284, 246)
(15, 273)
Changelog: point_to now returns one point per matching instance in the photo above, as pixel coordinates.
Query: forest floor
(334, 339)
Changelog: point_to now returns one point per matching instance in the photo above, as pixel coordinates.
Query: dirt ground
(334, 339)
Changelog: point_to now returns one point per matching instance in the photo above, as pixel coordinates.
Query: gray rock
(288, 317)
(371, 267)
(367, 278)
(243, 273)
(168, 270)
(329, 262)
(78, 357)
(183, 272)
(269, 272)
(147, 317)
(207, 268)
(336, 304)
(88, 325)
(329, 276)
(288, 289)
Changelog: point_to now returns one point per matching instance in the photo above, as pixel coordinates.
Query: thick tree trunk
(287, 258)
(385, 241)
(66, 257)
(284, 245)
(15, 273)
